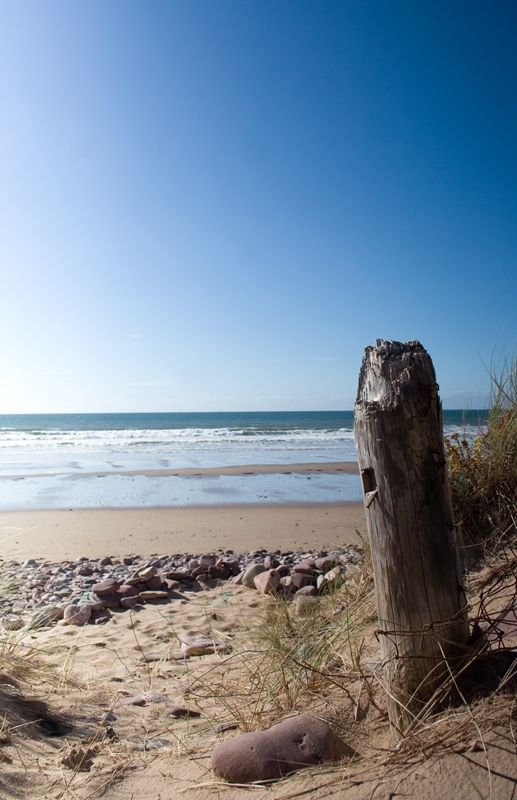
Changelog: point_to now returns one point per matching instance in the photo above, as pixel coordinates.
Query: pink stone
(287, 746)
(109, 600)
(149, 595)
(108, 586)
(129, 602)
(127, 591)
(248, 577)
(308, 591)
(267, 582)
(300, 579)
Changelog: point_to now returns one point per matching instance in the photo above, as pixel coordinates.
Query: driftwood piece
(418, 578)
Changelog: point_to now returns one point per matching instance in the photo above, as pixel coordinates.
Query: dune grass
(294, 657)
(483, 472)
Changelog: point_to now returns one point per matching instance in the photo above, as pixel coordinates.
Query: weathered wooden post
(417, 572)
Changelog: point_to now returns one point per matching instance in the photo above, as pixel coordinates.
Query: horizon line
(240, 411)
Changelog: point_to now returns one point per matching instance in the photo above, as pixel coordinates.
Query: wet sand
(329, 468)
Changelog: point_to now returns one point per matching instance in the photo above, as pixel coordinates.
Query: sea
(79, 460)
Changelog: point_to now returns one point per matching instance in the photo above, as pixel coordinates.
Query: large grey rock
(248, 578)
(287, 746)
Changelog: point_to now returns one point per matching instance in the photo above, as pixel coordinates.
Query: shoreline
(60, 535)
(327, 467)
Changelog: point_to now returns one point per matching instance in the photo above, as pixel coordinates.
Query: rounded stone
(154, 584)
(300, 579)
(248, 578)
(109, 586)
(127, 591)
(267, 582)
(129, 602)
(145, 573)
(109, 601)
(77, 614)
(287, 746)
(307, 591)
(149, 595)
(207, 561)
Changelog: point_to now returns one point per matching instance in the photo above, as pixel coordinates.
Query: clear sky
(216, 205)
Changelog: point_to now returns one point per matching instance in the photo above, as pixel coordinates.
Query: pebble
(152, 595)
(106, 587)
(198, 644)
(143, 699)
(179, 711)
(129, 602)
(137, 700)
(156, 744)
(42, 590)
(78, 614)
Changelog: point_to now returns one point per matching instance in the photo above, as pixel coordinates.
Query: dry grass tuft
(483, 473)
(26, 683)
(325, 664)
(293, 661)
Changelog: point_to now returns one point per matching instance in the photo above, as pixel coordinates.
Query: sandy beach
(59, 535)
(130, 707)
(132, 714)
(140, 719)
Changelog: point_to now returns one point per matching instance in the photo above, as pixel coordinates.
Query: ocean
(50, 460)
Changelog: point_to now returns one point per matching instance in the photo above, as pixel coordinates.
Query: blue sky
(217, 205)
